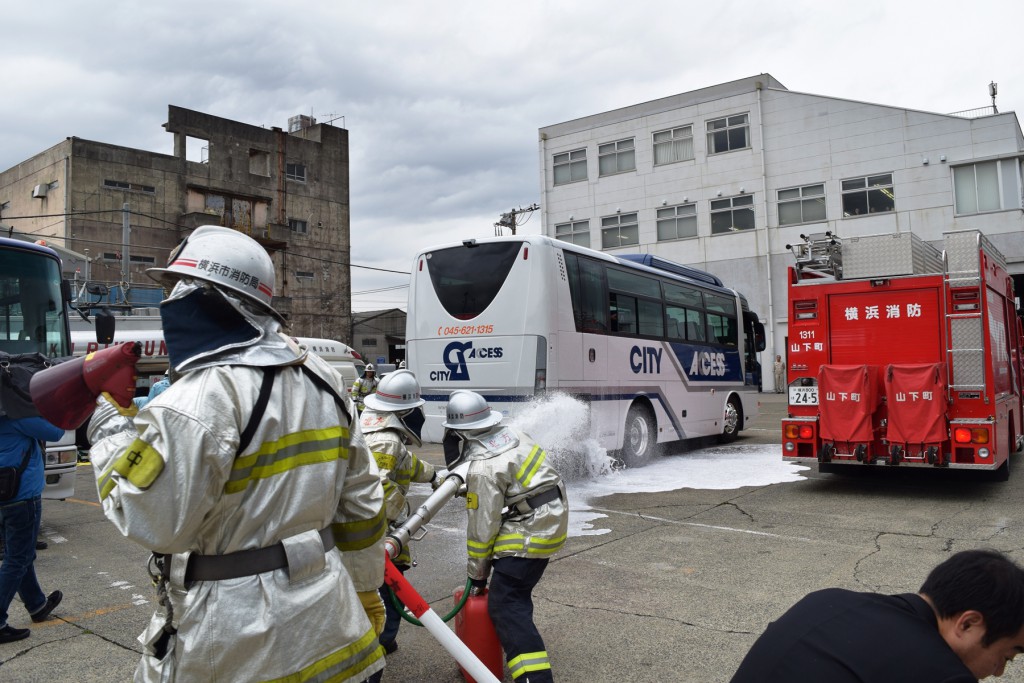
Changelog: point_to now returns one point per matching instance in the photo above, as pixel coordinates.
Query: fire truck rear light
(966, 295)
(962, 435)
(965, 307)
(979, 435)
(806, 432)
(790, 447)
(792, 431)
(806, 316)
(982, 452)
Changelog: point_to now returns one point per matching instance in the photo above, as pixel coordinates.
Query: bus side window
(694, 325)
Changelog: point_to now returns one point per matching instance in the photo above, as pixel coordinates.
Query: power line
(157, 218)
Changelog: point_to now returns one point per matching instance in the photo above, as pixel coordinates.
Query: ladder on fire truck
(963, 300)
(820, 256)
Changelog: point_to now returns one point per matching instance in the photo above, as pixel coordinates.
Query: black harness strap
(257, 412)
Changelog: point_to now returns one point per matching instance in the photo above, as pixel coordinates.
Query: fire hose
(398, 539)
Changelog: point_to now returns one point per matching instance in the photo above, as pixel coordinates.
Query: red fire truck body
(899, 354)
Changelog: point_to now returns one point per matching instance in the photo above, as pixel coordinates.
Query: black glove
(478, 586)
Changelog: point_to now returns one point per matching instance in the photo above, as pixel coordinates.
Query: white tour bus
(660, 351)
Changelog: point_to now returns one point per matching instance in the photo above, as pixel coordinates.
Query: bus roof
(653, 265)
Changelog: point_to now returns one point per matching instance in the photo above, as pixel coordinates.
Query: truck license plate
(803, 396)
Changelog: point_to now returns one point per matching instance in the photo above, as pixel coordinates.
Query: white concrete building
(725, 177)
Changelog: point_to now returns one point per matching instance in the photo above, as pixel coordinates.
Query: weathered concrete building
(287, 189)
(726, 176)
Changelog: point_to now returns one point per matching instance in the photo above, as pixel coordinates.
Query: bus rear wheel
(640, 436)
(731, 421)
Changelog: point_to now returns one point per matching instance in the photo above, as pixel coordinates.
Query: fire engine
(902, 355)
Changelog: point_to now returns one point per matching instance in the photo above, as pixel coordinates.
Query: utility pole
(508, 220)
(126, 262)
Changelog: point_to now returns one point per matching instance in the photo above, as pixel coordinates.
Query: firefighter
(780, 375)
(390, 423)
(517, 519)
(364, 386)
(245, 515)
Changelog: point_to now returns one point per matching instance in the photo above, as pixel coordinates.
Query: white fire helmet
(369, 368)
(469, 410)
(396, 393)
(226, 258)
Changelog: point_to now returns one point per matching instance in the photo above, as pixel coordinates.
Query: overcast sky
(443, 100)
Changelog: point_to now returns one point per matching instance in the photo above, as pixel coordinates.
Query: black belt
(534, 502)
(244, 562)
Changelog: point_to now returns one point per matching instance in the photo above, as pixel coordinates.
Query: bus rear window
(466, 279)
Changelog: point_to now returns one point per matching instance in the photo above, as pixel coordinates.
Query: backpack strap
(24, 460)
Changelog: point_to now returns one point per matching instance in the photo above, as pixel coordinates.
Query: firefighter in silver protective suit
(390, 423)
(518, 517)
(251, 484)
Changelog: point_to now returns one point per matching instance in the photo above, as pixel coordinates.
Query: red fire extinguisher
(474, 627)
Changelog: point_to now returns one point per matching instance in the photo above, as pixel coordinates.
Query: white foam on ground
(718, 468)
(560, 424)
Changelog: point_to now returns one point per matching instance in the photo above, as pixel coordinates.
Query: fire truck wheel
(731, 421)
(640, 437)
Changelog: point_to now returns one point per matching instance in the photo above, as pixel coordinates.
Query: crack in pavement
(659, 617)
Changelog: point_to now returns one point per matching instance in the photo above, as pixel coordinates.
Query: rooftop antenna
(993, 88)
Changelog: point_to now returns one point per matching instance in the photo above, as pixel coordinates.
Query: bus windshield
(31, 307)
(466, 279)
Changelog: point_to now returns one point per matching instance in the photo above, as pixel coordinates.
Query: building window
(300, 227)
(619, 230)
(147, 260)
(872, 194)
(673, 145)
(304, 274)
(259, 162)
(729, 133)
(987, 186)
(570, 166)
(616, 157)
(676, 222)
(802, 204)
(121, 185)
(577, 232)
(732, 214)
(295, 172)
(369, 341)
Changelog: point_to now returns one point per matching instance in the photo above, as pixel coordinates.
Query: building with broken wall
(288, 189)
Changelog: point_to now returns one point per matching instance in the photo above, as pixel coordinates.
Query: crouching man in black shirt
(966, 623)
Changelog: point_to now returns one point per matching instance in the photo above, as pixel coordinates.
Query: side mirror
(105, 324)
(97, 289)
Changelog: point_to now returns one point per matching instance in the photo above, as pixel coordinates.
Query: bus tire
(640, 437)
(732, 421)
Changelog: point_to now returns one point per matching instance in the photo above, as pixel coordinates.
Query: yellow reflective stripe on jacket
(360, 534)
(515, 543)
(530, 466)
(307, 447)
(508, 543)
(340, 665)
(545, 546)
(140, 464)
(385, 461)
(527, 662)
(478, 550)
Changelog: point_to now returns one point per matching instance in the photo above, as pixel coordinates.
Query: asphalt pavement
(677, 590)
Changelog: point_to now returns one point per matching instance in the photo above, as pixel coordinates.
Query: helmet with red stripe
(225, 258)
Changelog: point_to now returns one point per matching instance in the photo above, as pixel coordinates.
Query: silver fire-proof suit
(506, 468)
(171, 480)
